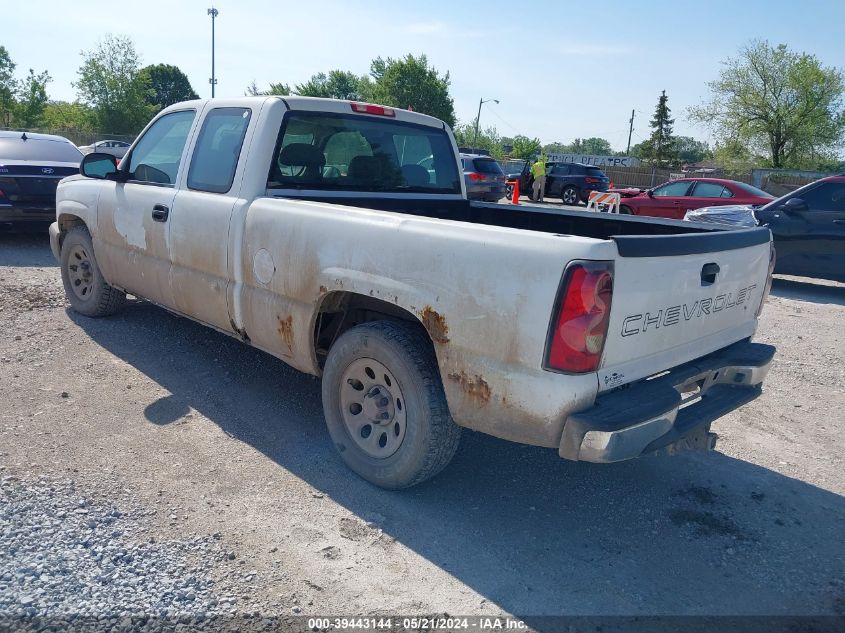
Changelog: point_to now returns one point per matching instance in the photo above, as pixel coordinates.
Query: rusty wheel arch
(341, 310)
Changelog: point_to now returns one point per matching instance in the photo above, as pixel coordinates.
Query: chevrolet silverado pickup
(337, 236)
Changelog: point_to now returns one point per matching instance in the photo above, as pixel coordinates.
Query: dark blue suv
(571, 182)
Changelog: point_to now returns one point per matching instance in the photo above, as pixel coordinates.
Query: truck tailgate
(679, 297)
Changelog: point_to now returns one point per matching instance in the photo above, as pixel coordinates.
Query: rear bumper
(15, 214)
(664, 411)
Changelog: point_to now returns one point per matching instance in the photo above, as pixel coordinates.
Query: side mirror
(98, 165)
(649, 193)
(794, 205)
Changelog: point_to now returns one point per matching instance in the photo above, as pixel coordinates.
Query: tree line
(769, 106)
(115, 94)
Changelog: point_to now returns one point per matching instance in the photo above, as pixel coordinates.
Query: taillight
(591, 181)
(369, 108)
(474, 175)
(580, 327)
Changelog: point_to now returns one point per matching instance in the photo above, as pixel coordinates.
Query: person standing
(538, 171)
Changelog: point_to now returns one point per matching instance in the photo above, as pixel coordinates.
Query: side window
(677, 188)
(218, 149)
(156, 157)
(708, 190)
(828, 196)
(562, 170)
(727, 193)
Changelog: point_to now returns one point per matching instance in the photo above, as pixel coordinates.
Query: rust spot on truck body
(435, 325)
(474, 386)
(285, 330)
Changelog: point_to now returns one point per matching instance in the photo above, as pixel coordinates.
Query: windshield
(362, 153)
(39, 150)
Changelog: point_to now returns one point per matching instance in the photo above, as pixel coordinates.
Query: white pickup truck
(337, 237)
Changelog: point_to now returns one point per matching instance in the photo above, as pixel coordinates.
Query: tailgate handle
(708, 274)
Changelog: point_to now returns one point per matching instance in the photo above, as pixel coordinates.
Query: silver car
(115, 148)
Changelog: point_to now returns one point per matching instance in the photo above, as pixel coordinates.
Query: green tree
(689, 150)
(338, 84)
(166, 85)
(7, 87)
(410, 81)
(252, 90)
(661, 143)
(62, 115)
(31, 99)
(555, 148)
(111, 83)
(488, 139)
(779, 103)
(524, 147)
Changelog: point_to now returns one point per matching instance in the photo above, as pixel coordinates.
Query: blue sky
(560, 71)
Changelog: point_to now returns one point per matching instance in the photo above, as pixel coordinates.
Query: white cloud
(425, 28)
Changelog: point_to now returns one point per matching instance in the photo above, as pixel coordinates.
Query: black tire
(570, 195)
(93, 296)
(430, 437)
(625, 210)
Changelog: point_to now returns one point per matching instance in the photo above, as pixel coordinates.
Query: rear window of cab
(317, 150)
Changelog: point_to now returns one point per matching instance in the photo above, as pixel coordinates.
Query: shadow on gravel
(26, 247)
(824, 292)
(690, 534)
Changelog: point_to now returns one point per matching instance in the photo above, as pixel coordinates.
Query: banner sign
(598, 161)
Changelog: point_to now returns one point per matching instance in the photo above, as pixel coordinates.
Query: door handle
(708, 274)
(160, 213)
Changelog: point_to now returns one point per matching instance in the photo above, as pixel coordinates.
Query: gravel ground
(152, 466)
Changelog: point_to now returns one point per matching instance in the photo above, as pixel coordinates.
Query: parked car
(603, 337)
(115, 148)
(808, 227)
(674, 198)
(571, 182)
(31, 165)
(484, 179)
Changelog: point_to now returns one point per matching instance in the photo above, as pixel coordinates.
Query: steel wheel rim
(569, 196)
(80, 272)
(373, 407)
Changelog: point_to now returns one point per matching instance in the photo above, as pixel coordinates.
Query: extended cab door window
(217, 150)
(157, 154)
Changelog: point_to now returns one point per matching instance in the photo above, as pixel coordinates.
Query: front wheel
(385, 407)
(570, 195)
(88, 292)
(626, 210)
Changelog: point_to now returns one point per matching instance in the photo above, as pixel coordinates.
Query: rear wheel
(88, 292)
(570, 195)
(384, 404)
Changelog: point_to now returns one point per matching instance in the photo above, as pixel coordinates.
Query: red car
(674, 198)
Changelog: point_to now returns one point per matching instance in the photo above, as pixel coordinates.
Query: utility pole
(630, 131)
(481, 102)
(213, 81)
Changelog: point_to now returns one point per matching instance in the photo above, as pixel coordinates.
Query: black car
(808, 227)
(571, 182)
(31, 165)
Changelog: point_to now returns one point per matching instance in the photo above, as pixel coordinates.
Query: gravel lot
(153, 466)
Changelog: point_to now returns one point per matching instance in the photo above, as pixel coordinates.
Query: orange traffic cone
(515, 198)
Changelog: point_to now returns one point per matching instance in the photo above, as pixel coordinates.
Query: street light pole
(481, 102)
(213, 81)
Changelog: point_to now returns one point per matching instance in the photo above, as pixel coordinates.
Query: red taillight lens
(591, 181)
(369, 108)
(577, 339)
(474, 175)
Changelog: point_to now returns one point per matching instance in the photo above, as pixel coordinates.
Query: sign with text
(598, 161)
